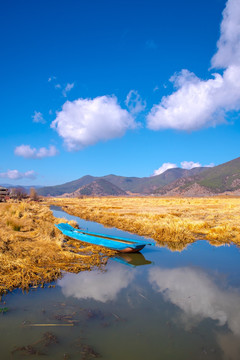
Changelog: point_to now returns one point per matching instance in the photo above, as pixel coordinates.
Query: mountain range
(224, 178)
(198, 181)
(117, 185)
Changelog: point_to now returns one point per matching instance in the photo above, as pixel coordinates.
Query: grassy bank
(32, 250)
(174, 222)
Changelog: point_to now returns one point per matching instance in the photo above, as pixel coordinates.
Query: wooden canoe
(112, 242)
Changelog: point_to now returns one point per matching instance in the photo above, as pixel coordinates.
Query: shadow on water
(134, 260)
(183, 305)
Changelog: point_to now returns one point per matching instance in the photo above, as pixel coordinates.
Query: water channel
(154, 305)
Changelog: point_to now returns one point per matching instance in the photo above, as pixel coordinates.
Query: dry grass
(32, 250)
(170, 221)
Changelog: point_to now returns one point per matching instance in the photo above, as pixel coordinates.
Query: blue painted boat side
(111, 244)
(65, 226)
(137, 241)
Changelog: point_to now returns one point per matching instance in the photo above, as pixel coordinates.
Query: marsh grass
(33, 251)
(174, 222)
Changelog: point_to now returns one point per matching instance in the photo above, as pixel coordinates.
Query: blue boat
(111, 242)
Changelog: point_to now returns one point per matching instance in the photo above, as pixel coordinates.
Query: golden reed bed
(174, 222)
(32, 250)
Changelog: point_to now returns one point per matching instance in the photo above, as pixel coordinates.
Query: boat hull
(131, 250)
(121, 245)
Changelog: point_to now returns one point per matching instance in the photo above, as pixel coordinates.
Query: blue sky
(85, 87)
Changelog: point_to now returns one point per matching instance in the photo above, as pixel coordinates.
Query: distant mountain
(7, 185)
(99, 187)
(215, 180)
(135, 185)
(68, 187)
(148, 185)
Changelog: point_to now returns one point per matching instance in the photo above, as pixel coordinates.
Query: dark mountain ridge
(135, 185)
(195, 182)
(68, 187)
(215, 180)
(99, 187)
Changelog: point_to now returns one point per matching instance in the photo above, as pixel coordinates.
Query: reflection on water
(132, 259)
(100, 286)
(183, 305)
(200, 296)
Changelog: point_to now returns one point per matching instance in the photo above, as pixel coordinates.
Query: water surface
(157, 305)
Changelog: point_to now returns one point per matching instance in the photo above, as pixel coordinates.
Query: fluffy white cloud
(98, 286)
(67, 88)
(229, 43)
(16, 175)
(197, 103)
(163, 168)
(134, 102)
(38, 117)
(32, 153)
(200, 103)
(184, 165)
(84, 122)
(189, 165)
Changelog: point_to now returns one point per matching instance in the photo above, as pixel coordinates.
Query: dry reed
(174, 222)
(32, 250)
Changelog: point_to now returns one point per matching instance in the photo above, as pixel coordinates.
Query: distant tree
(33, 194)
(18, 193)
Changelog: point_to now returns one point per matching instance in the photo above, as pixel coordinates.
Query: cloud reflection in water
(100, 286)
(198, 296)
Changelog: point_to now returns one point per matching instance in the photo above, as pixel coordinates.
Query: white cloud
(163, 168)
(85, 122)
(184, 165)
(38, 117)
(209, 165)
(67, 88)
(134, 102)
(51, 78)
(16, 175)
(200, 103)
(189, 165)
(229, 43)
(32, 153)
(98, 286)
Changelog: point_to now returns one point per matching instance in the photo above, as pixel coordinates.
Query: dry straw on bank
(32, 250)
(174, 222)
